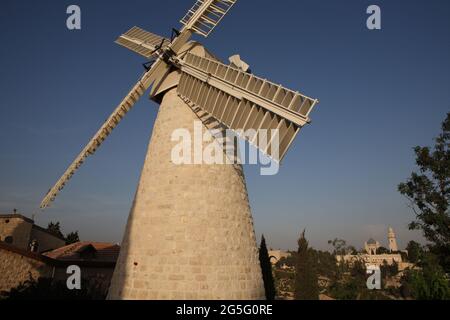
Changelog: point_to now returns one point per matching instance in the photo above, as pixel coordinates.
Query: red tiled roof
(107, 252)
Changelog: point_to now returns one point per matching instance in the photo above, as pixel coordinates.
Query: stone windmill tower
(190, 231)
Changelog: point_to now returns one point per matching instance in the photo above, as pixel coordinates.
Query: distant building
(21, 232)
(276, 255)
(372, 257)
(96, 261)
(372, 246)
(392, 240)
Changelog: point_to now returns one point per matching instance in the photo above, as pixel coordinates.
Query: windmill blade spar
(205, 15)
(142, 42)
(202, 18)
(105, 130)
(242, 101)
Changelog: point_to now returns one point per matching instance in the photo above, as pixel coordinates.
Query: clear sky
(381, 93)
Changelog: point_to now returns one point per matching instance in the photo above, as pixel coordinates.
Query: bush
(47, 289)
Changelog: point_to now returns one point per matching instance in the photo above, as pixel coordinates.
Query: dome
(371, 241)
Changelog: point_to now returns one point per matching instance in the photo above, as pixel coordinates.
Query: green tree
(351, 282)
(266, 268)
(383, 250)
(55, 228)
(49, 289)
(340, 247)
(428, 191)
(306, 280)
(388, 270)
(289, 261)
(415, 251)
(72, 238)
(428, 283)
(326, 264)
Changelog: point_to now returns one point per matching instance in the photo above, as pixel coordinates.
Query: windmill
(190, 231)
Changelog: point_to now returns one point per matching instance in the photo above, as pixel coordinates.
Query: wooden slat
(105, 130)
(242, 101)
(205, 15)
(140, 41)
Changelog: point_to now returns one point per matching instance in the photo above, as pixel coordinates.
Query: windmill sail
(235, 98)
(105, 130)
(142, 42)
(242, 101)
(205, 15)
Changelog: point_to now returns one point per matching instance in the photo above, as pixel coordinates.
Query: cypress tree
(306, 280)
(266, 268)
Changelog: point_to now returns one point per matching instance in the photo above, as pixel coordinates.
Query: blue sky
(381, 93)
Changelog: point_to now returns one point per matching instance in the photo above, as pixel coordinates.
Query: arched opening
(9, 239)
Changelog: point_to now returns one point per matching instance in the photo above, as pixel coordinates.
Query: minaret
(392, 240)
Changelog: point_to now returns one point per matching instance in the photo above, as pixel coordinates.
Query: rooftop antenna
(190, 231)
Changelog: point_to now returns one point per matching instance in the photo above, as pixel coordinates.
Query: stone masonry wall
(16, 267)
(18, 229)
(46, 241)
(190, 231)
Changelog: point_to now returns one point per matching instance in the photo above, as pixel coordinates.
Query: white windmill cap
(236, 62)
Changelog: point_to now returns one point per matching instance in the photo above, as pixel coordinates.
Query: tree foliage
(306, 279)
(72, 237)
(340, 247)
(383, 250)
(389, 270)
(352, 284)
(266, 268)
(415, 251)
(289, 261)
(427, 283)
(55, 228)
(325, 262)
(48, 289)
(429, 191)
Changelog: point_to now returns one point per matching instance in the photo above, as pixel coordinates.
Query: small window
(7, 221)
(9, 239)
(34, 246)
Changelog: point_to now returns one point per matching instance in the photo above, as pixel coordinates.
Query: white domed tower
(392, 240)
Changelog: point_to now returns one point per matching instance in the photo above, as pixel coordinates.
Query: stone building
(392, 240)
(96, 261)
(276, 255)
(372, 257)
(18, 265)
(372, 246)
(21, 232)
